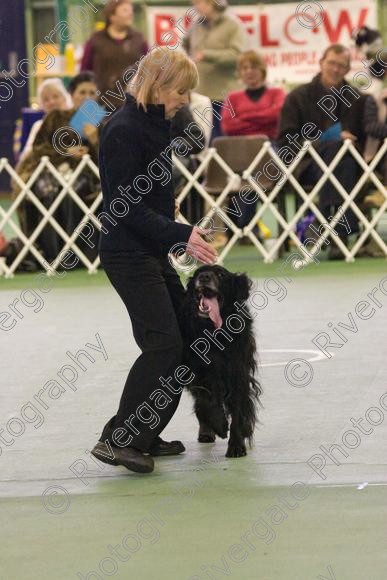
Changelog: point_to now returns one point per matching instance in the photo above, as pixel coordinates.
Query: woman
(81, 87)
(256, 112)
(111, 53)
(135, 144)
(214, 43)
(52, 96)
(65, 159)
(257, 108)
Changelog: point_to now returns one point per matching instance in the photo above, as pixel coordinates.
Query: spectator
(214, 44)
(192, 143)
(52, 95)
(198, 111)
(81, 87)
(199, 106)
(304, 106)
(65, 159)
(255, 112)
(375, 126)
(375, 121)
(257, 108)
(112, 52)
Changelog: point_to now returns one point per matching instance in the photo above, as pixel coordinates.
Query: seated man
(326, 111)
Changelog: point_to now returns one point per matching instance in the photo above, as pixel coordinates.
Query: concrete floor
(199, 515)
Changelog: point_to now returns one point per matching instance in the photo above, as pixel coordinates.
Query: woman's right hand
(200, 249)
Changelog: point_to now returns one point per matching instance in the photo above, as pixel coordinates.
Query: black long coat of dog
(220, 349)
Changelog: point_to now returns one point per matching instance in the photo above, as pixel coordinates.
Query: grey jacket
(221, 42)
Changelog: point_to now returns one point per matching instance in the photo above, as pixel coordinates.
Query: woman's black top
(137, 188)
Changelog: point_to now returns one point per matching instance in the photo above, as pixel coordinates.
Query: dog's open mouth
(208, 305)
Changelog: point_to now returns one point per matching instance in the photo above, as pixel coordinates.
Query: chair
(238, 153)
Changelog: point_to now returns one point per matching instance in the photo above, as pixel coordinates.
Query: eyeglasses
(338, 65)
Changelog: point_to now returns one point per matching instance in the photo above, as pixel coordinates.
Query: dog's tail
(255, 392)
(250, 418)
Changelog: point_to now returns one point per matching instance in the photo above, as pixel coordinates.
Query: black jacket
(131, 146)
(301, 107)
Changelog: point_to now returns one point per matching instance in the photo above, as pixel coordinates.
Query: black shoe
(161, 447)
(127, 456)
(246, 241)
(335, 253)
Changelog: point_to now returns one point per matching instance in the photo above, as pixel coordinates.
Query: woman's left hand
(348, 135)
(77, 152)
(199, 248)
(91, 133)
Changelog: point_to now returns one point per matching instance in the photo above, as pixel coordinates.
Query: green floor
(240, 259)
(191, 535)
(199, 515)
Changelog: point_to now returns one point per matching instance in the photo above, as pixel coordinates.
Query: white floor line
(318, 355)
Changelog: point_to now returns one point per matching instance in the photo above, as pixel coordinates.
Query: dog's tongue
(211, 306)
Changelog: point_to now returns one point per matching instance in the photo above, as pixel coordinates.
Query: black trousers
(347, 173)
(153, 294)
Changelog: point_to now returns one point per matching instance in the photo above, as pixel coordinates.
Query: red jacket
(254, 117)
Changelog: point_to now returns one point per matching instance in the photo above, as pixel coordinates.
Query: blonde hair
(162, 68)
(57, 84)
(254, 59)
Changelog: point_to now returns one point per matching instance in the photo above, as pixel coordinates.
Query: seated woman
(256, 112)
(65, 157)
(257, 107)
(52, 96)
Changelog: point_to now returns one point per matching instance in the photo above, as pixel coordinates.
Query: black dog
(220, 349)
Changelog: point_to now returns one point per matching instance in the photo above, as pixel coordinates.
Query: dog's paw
(236, 451)
(208, 437)
(219, 424)
(221, 429)
(206, 434)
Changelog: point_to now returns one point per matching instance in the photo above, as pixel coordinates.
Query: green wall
(61, 9)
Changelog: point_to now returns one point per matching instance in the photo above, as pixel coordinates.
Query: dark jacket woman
(138, 232)
(135, 168)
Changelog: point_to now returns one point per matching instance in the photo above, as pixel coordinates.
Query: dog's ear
(242, 285)
(190, 285)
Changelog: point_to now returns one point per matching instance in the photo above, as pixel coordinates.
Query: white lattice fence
(216, 206)
(267, 201)
(47, 214)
